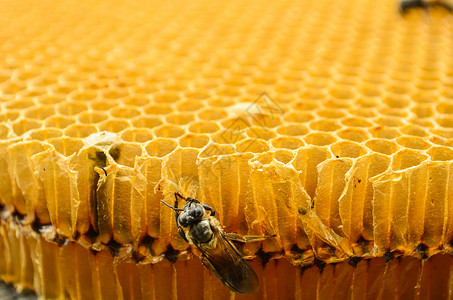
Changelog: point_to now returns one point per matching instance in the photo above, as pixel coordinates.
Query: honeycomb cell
(203, 127)
(42, 134)
(293, 130)
(291, 143)
(146, 121)
(284, 156)
(356, 122)
(124, 112)
(100, 105)
(384, 132)
(348, 149)
(66, 145)
(194, 140)
(188, 105)
(159, 147)
(22, 125)
(446, 121)
(59, 121)
(319, 139)
(87, 117)
(252, 145)
(445, 108)
(382, 146)
(324, 125)
(84, 95)
(438, 153)
(158, 109)
(413, 142)
(414, 130)
(407, 158)
(114, 125)
(354, 134)
(136, 135)
(423, 110)
(170, 131)
(299, 117)
(21, 104)
(179, 118)
(79, 130)
(329, 113)
(71, 108)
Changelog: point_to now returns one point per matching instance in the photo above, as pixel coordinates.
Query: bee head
(192, 213)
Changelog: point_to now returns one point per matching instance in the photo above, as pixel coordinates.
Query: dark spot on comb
(320, 264)
(171, 254)
(263, 256)
(422, 249)
(388, 256)
(296, 249)
(115, 152)
(114, 246)
(353, 261)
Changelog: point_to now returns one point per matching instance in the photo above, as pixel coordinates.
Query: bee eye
(184, 220)
(196, 212)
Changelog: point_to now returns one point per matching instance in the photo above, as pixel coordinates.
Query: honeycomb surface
(327, 123)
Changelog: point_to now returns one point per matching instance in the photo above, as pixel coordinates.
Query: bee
(406, 5)
(198, 226)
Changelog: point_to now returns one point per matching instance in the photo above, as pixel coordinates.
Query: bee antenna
(174, 208)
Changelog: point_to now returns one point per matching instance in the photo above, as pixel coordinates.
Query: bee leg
(181, 232)
(248, 238)
(207, 207)
(406, 5)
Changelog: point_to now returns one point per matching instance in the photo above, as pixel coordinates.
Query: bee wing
(229, 265)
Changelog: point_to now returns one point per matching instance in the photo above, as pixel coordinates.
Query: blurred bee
(406, 5)
(198, 226)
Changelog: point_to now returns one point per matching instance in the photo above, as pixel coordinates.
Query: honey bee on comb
(198, 227)
(407, 5)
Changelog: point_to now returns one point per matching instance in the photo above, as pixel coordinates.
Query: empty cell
(79, 130)
(260, 133)
(397, 101)
(424, 96)
(445, 121)
(42, 134)
(136, 100)
(320, 138)
(389, 121)
(291, 143)
(443, 132)
(413, 130)
(194, 140)
(124, 112)
(91, 117)
(180, 118)
(384, 132)
(407, 158)
(445, 108)
(299, 117)
(114, 125)
(330, 113)
(356, 122)
(293, 130)
(158, 109)
(22, 125)
(284, 156)
(71, 108)
(40, 113)
(139, 135)
(84, 95)
(382, 146)
(212, 114)
(113, 94)
(66, 145)
(324, 125)
(370, 90)
(20, 104)
(413, 142)
(251, 145)
(439, 153)
(189, 105)
(203, 127)
(146, 121)
(160, 147)
(59, 121)
(307, 105)
(354, 134)
(102, 105)
(348, 149)
(170, 131)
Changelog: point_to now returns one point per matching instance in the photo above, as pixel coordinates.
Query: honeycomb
(326, 123)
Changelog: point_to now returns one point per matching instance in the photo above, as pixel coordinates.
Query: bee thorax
(201, 232)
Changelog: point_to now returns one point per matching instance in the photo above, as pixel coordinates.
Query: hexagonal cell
(83, 95)
(413, 130)
(284, 156)
(439, 153)
(126, 153)
(160, 147)
(394, 112)
(426, 123)
(292, 130)
(306, 105)
(413, 142)
(341, 92)
(396, 101)
(259, 133)
(214, 149)
(251, 145)
(219, 102)
(196, 96)
(87, 117)
(228, 136)
(389, 121)
(382, 146)
(180, 118)
(139, 135)
(146, 121)
(354, 134)
(59, 121)
(445, 121)
(169, 131)
(114, 125)
(124, 112)
(324, 125)
(320, 138)
(370, 90)
(71, 108)
(66, 145)
(22, 125)
(136, 100)
(50, 100)
(80, 130)
(190, 105)
(400, 88)
(291, 143)
(356, 122)
(40, 112)
(4, 131)
(348, 149)
(423, 110)
(331, 113)
(43, 134)
(113, 94)
(101, 105)
(166, 97)
(298, 117)
(266, 120)
(407, 158)
(212, 114)
(443, 132)
(366, 103)
(424, 96)
(384, 132)
(20, 104)
(445, 108)
(194, 140)
(158, 109)
(9, 115)
(203, 127)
